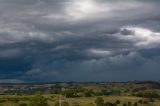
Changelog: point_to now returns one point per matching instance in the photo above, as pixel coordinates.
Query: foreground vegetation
(81, 94)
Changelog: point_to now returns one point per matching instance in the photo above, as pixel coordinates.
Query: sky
(79, 40)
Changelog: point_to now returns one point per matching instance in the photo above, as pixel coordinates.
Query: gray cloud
(85, 40)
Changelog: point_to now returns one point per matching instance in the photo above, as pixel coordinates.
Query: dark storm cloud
(85, 40)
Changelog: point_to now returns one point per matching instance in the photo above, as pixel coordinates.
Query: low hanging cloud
(130, 66)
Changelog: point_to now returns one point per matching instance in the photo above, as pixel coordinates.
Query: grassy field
(83, 94)
(12, 100)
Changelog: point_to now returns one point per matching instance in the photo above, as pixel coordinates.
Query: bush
(151, 94)
(75, 104)
(64, 103)
(118, 102)
(129, 103)
(105, 92)
(151, 100)
(57, 103)
(140, 101)
(16, 100)
(124, 104)
(1, 101)
(145, 102)
(88, 93)
(99, 101)
(22, 104)
(113, 104)
(38, 100)
(148, 94)
(135, 104)
(70, 93)
(110, 104)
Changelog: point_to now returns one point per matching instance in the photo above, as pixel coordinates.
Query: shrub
(151, 100)
(135, 104)
(88, 93)
(70, 93)
(140, 101)
(118, 101)
(38, 100)
(124, 104)
(75, 104)
(22, 104)
(110, 104)
(16, 100)
(99, 101)
(129, 103)
(151, 94)
(145, 102)
(148, 94)
(65, 103)
(105, 92)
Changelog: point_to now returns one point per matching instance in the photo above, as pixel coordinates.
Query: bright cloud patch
(141, 37)
(99, 53)
(84, 8)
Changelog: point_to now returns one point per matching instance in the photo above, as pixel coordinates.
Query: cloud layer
(84, 40)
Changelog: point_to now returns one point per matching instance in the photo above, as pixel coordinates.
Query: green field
(117, 94)
(12, 100)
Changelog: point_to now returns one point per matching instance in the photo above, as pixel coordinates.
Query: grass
(9, 100)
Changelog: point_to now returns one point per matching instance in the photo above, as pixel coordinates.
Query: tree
(99, 101)
(38, 100)
(105, 92)
(118, 101)
(70, 93)
(88, 93)
(148, 94)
